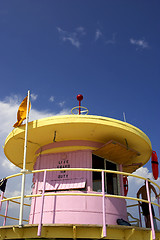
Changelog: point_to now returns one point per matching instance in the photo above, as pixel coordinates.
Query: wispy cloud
(13, 99)
(81, 30)
(141, 43)
(51, 99)
(34, 97)
(98, 34)
(112, 40)
(61, 104)
(72, 37)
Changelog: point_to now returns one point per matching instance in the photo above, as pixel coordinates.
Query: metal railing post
(42, 204)
(121, 180)
(4, 223)
(103, 206)
(2, 195)
(150, 210)
(34, 206)
(139, 209)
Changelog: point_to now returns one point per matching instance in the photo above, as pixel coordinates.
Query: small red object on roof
(154, 165)
(79, 97)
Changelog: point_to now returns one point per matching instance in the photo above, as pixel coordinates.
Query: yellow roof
(76, 127)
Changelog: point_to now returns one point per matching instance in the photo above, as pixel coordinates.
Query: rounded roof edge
(73, 127)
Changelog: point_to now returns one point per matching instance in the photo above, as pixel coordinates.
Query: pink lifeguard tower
(77, 161)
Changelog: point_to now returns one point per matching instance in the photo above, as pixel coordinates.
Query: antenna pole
(124, 116)
(79, 98)
(79, 107)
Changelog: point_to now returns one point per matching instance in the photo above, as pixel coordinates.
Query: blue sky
(109, 51)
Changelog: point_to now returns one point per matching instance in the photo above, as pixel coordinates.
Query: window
(97, 163)
(111, 181)
(111, 178)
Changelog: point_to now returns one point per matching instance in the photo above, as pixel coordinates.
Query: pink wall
(79, 210)
(71, 209)
(77, 159)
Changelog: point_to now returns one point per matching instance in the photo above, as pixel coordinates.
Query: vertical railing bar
(34, 201)
(150, 210)
(103, 206)
(4, 223)
(2, 195)
(140, 215)
(121, 179)
(42, 204)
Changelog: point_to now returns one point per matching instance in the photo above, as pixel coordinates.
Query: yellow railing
(11, 199)
(135, 220)
(78, 194)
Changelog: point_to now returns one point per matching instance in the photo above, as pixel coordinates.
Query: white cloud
(13, 99)
(112, 40)
(61, 104)
(51, 99)
(81, 30)
(75, 42)
(139, 43)
(60, 30)
(98, 34)
(136, 183)
(9, 108)
(8, 116)
(8, 165)
(72, 37)
(33, 96)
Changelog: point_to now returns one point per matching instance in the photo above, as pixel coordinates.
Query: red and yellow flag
(22, 112)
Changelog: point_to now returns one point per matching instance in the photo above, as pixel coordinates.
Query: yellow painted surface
(116, 152)
(76, 231)
(75, 127)
(65, 149)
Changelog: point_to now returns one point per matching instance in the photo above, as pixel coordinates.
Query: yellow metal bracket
(74, 232)
(128, 233)
(18, 231)
(2, 236)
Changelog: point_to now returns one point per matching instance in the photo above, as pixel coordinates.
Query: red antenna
(79, 98)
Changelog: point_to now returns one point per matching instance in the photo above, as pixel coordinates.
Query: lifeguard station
(79, 164)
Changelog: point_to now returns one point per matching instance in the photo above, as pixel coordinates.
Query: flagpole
(24, 166)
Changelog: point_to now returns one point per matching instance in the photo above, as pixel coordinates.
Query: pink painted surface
(80, 210)
(150, 210)
(121, 180)
(77, 159)
(71, 209)
(42, 205)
